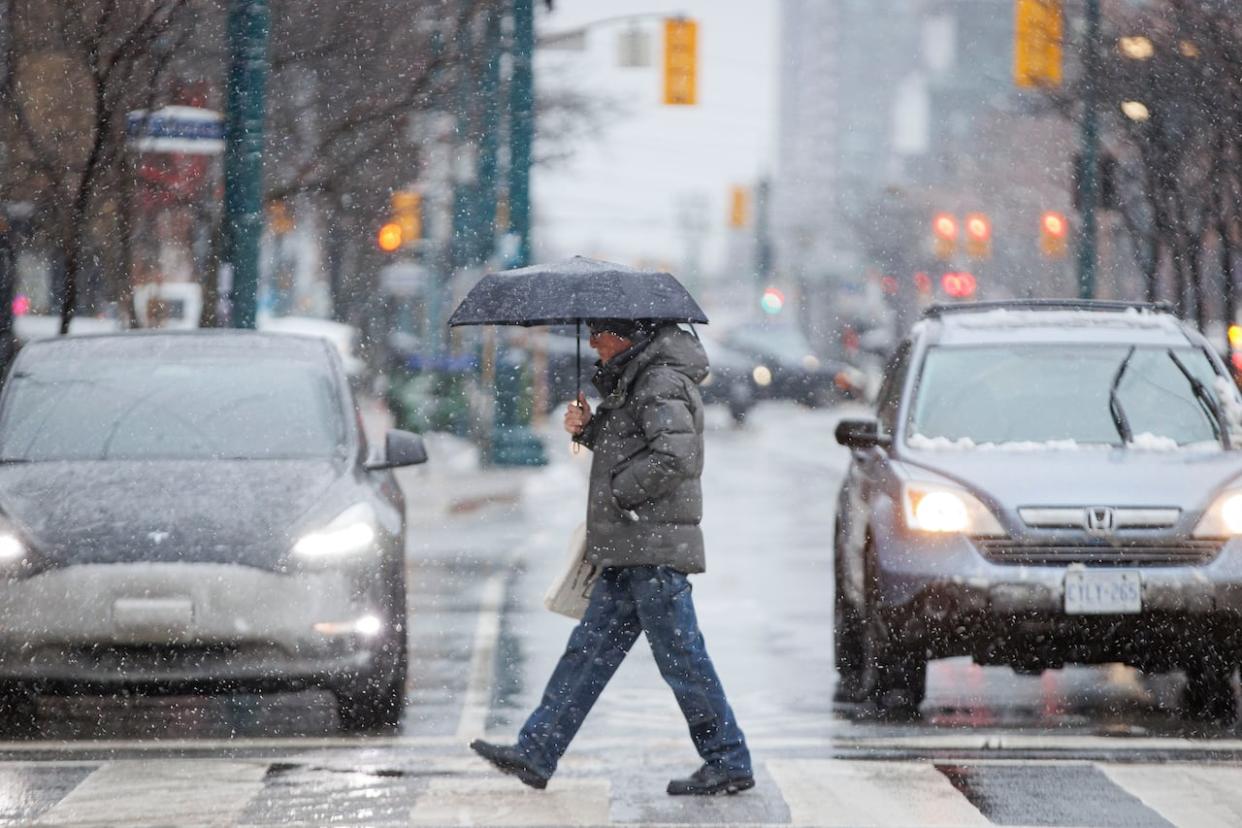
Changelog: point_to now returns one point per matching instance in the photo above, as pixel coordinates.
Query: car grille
(1186, 552)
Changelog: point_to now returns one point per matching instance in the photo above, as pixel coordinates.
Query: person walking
(644, 508)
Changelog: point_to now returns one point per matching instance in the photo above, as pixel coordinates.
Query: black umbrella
(574, 291)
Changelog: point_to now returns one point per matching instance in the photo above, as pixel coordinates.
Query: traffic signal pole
(245, 110)
(1090, 153)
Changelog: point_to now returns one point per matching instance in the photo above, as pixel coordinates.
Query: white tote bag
(570, 592)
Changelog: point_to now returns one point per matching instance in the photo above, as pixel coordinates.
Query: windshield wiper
(1206, 401)
(1114, 401)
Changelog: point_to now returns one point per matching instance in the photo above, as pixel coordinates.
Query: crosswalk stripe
(832, 792)
(144, 793)
(508, 802)
(1203, 796)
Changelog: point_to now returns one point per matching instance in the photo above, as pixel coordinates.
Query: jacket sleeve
(672, 453)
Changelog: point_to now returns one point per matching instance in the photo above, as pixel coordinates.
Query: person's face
(608, 344)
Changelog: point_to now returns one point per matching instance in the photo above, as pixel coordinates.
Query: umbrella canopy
(575, 290)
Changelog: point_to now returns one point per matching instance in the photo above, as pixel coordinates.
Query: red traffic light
(944, 226)
(959, 285)
(978, 228)
(1054, 224)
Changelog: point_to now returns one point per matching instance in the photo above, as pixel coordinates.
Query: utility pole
(512, 441)
(245, 110)
(521, 129)
(1088, 174)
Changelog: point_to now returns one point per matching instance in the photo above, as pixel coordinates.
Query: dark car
(784, 366)
(190, 512)
(1045, 484)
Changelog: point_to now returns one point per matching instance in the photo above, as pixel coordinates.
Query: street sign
(681, 57)
(187, 130)
(1038, 31)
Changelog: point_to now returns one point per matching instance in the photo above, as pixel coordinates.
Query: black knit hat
(632, 329)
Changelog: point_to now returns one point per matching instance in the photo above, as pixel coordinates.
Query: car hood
(237, 512)
(1086, 477)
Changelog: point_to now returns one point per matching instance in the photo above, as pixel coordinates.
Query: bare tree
(77, 68)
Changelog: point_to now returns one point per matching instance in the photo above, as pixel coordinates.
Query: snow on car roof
(1003, 325)
(173, 343)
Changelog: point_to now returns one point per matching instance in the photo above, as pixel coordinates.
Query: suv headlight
(931, 507)
(351, 532)
(1223, 517)
(12, 550)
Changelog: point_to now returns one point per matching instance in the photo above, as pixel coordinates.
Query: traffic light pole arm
(552, 38)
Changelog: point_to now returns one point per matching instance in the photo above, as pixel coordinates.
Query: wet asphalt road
(1072, 747)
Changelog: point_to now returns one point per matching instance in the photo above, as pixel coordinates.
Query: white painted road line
(483, 659)
(829, 793)
(1203, 796)
(503, 801)
(145, 793)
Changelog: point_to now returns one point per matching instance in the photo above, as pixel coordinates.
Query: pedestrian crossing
(386, 787)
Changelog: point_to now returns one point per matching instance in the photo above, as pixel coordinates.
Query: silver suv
(1044, 483)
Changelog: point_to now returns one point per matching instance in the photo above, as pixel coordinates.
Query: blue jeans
(627, 601)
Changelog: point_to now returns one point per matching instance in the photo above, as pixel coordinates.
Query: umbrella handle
(575, 446)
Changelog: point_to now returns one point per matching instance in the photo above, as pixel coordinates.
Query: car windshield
(1062, 394)
(110, 408)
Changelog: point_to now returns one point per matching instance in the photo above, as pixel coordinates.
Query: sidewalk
(452, 483)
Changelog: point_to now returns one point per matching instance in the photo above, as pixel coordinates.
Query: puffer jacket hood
(646, 501)
(670, 347)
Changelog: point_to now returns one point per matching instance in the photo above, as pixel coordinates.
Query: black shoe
(710, 780)
(508, 760)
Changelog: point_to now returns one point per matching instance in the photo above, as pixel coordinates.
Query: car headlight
(944, 509)
(12, 550)
(1223, 517)
(762, 375)
(352, 532)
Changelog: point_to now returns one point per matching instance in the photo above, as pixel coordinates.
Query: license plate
(1103, 592)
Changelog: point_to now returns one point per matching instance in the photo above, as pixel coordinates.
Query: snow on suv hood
(1085, 475)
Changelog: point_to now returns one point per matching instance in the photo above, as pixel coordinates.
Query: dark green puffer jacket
(646, 501)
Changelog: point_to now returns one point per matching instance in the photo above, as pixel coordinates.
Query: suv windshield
(1067, 394)
(109, 408)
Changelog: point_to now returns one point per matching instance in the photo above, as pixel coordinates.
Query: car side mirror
(401, 448)
(861, 434)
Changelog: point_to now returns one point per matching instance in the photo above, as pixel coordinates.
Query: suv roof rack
(937, 311)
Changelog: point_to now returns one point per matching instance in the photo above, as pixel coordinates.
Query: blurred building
(893, 111)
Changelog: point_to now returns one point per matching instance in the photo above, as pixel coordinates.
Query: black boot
(508, 760)
(710, 780)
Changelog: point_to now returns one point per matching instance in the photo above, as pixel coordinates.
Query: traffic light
(739, 212)
(278, 218)
(407, 213)
(978, 236)
(1038, 33)
(773, 301)
(681, 58)
(1053, 235)
(944, 235)
(389, 237)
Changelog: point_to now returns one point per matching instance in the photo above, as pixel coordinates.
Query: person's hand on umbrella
(577, 415)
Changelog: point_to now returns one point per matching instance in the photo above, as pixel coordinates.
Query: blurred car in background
(729, 380)
(784, 366)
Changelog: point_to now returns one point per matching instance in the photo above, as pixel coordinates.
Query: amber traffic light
(978, 236)
(389, 237)
(944, 235)
(1053, 235)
